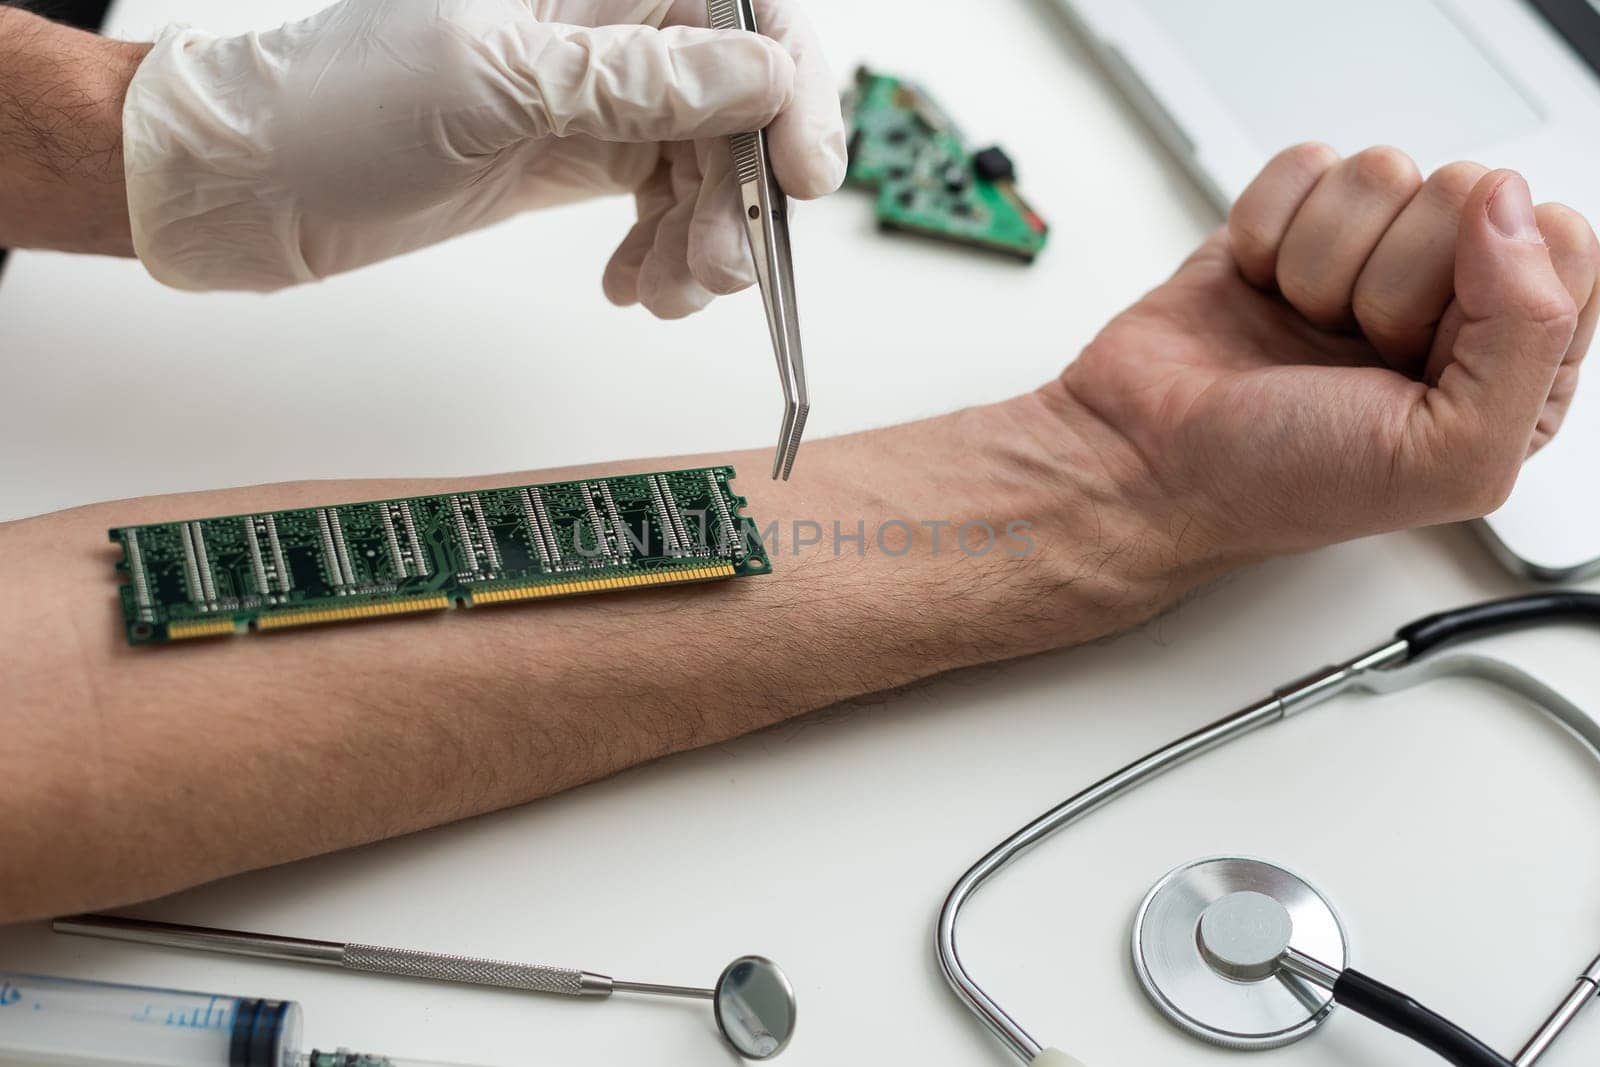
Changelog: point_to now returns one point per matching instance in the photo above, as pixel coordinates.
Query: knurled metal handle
(468, 970)
(746, 149)
(731, 15)
(724, 15)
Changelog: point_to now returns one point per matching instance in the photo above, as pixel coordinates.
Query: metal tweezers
(766, 211)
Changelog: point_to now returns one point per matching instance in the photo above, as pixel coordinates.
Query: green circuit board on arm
(903, 146)
(286, 569)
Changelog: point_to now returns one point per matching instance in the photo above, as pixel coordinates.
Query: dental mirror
(754, 1006)
(753, 1002)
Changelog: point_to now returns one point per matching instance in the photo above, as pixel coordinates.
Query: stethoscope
(1245, 954)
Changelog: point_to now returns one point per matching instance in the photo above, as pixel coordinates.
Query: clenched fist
(1359, 350)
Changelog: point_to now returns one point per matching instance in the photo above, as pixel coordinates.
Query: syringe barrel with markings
(67, 1021)
(70, 1022)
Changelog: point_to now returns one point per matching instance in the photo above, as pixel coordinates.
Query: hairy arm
(1210, 424)
(130, 772)
(61, 95)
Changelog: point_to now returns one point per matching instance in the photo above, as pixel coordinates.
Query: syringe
(68, 1022)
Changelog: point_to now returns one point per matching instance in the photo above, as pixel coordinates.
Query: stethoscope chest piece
(1206, 941)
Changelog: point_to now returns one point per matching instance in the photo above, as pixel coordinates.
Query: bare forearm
(132, 772)
(61, 96)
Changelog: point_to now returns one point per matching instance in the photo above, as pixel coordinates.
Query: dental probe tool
(766, 210)
(753, 1002)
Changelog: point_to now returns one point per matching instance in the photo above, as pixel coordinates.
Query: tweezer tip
(794, 439)
(787, 441)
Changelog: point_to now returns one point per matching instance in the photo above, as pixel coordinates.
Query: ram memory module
(282, 569)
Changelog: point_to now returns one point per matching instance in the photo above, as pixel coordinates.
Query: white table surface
(829, 843)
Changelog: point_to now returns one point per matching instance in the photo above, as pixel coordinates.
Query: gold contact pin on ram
(183, 631)
(355, 611)
(602, 585)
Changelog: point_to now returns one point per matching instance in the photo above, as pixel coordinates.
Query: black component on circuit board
(993, 165)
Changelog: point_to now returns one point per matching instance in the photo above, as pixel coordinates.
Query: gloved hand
(380, 126)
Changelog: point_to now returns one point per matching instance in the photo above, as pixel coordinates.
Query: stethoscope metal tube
(1302, 966)
(1324, 685)
(1012, 1035)
(1396, 664)
(1586, 989)
(1584, 993)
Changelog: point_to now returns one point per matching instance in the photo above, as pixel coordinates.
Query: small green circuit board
(284, 569)
(927, 180)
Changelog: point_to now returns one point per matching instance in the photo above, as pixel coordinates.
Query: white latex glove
(380, 126)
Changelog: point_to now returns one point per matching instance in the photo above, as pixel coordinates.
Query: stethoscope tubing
(1378, 670)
